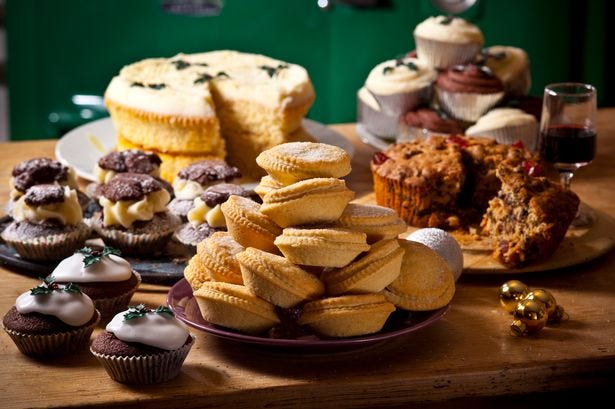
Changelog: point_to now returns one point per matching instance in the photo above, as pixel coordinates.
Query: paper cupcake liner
(442, 55)
(53, 344)
(52, 247)
(466, 106)
(108, 307)
(145, 369)
(138, 245)
(526, 133)
(376, 122)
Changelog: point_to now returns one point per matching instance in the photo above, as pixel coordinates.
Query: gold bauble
(530, 316)
(554, 311)
(511, 292)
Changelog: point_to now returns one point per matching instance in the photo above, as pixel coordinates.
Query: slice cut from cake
(224, 104)
(529, 217)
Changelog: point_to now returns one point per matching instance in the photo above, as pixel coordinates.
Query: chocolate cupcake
(206, 217)
(51, 320)
(192, 180)
(511, 65)
(468, 91)
(47, 223)
(445, 41)
(143, 346)
(125, 161)
(424, 122)
(103, 275)
(392, 88)
(134, 218)
(42, 171)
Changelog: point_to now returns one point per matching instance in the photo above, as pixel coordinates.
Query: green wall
(60, 48)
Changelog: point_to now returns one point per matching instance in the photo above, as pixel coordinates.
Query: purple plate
(185, 307)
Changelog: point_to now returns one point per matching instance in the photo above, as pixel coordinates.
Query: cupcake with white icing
(47, 223)
(445, 41)
(511, 65)
(103, 275)
(51, 319)
(143, 345)
(391, 89)
(134, 215)
(508, 126)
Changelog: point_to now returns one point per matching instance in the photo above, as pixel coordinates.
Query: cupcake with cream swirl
(143, 345)
(392, 88)
(511, 65)
(51, 319)
(507, 125)
(103, 275)
(468, 91)
(134, 216)
(47, 223)
(424, 122)
(445, 41)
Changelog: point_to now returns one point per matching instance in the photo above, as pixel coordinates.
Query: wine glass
(568, 131)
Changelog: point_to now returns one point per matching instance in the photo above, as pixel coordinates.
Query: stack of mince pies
(309, 259)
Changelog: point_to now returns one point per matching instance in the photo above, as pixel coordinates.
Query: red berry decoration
(462, 142)
(379, 158)
(518, 145)
(532, 168)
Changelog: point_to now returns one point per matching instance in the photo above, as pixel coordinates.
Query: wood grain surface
(467, 358)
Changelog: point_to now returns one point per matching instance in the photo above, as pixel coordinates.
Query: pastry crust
(321, 247)
(347, 316)
(277, 280)
(216, 255)
(234, 306)
(317, 200)
(377, 222)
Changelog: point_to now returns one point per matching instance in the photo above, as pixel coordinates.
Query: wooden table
(468, 356)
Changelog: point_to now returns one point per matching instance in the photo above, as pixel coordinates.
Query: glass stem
(565, 177)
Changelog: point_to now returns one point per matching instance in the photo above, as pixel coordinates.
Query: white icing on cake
(109, 268)
(67, 212)
(457, 31)
(126, 212)
(154, 329)
(500, 118)
(184, 95)
(72, 308)
(442, 243)
(391, 77)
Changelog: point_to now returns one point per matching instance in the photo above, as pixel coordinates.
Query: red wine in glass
(568, 146)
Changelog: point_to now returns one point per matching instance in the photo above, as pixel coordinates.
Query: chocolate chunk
(40, 195)
(130, 186)
(218, 194)
(38, 171)
(131, 160)
(207, 171)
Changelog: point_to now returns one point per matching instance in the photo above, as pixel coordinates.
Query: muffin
(392, 88)
(507, 125)
(468, 91)
(51, 320)
(192, 180)
(42, 171)
(425, 121)
(206, 216)
(103, 275)
(134, 218)
(143, 345)
(47, 223)
(511, 65)
(445, 41)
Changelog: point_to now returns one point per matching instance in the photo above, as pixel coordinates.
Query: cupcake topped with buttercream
(510, 65)
(131, 161)
(47, 223)
(507, 125)
(134, 215)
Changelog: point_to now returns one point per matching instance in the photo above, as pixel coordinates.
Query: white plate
(83, 146)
